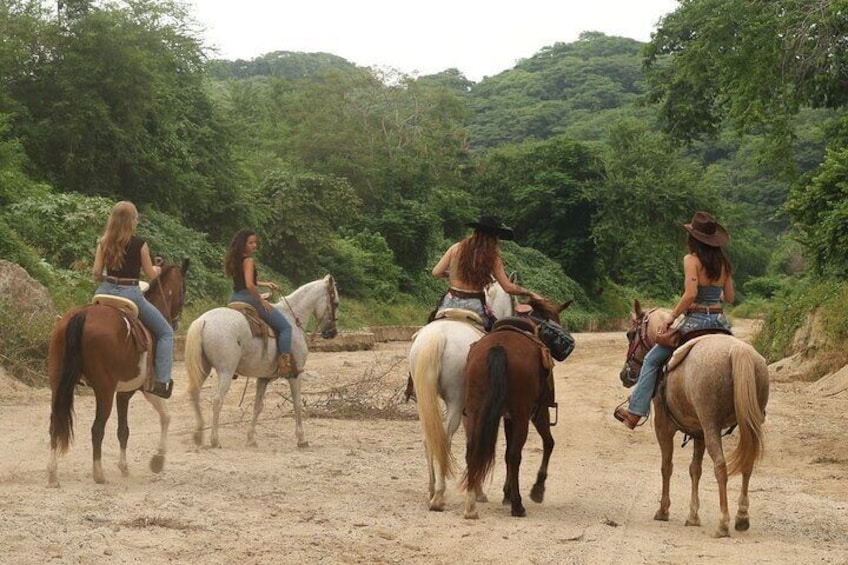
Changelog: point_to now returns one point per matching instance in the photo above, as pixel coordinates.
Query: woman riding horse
(470, 264)
(708, 281)
(123, 255)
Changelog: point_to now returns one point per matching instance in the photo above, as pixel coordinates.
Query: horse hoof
(519, 512)
(537, 494)
(721, 533)
(100, 480)
(661, 516)
(52, 484)
(157, 463)
(742, 524)
(693, 521)
(505, 501)
(435, 507)
(303, 443)
(472, 515)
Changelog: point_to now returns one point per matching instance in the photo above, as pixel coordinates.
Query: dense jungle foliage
(595, 151)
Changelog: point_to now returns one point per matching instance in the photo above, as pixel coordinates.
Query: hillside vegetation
(595, 151)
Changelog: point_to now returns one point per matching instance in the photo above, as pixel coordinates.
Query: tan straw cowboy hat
(705, 229)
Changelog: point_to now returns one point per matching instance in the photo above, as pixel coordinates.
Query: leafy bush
(23, 343)
(764, 287)
(364, 267)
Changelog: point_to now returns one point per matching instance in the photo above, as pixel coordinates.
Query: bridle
(172, 317)
(640, 344)
(330, 328)
(331, 312)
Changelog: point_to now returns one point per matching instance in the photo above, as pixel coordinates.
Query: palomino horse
(506, 375)
(436, 360)
(221, 339)
(93, 342)
(714, 382)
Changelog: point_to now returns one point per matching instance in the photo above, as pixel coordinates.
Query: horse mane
(157, 282)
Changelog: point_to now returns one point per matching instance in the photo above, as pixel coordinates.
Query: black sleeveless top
(238, 279)
(132, 260)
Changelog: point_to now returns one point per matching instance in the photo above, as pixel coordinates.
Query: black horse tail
(62, 410)
(480, 451)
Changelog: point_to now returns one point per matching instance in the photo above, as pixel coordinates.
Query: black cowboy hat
(492, 224)
(705, 229)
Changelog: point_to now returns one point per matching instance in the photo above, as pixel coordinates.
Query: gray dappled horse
(221, 339)
(714, 382)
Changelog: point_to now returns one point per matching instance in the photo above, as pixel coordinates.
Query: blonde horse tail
(425, 376)
(194, 356)
(749, 414)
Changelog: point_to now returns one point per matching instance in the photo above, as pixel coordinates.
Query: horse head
(328, 324)
(641, 336)
(167, 291)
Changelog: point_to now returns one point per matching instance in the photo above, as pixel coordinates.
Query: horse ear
(564, 305)
(637, 308)
(513, 277)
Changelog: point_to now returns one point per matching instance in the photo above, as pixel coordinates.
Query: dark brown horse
(714, 382)
(506, 376)
(92, 342)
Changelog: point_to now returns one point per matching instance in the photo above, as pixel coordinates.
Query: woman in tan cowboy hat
(470, 264)
(708, 281)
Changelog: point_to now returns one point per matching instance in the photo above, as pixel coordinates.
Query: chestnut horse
(92, 342)
(714, 382)
(506, 375)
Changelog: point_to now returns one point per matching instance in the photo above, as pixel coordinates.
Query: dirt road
(357, 494)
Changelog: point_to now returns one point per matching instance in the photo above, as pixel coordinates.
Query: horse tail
(197, 373)
(425, 376)
(480, 452)
(68, 372)
(749, 413)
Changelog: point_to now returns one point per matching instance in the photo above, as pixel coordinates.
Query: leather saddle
(258, 326)
(129, 312)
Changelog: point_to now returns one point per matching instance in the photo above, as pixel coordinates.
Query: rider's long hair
(477, 255)
(235, 254)
(713, 259)
(119, 229)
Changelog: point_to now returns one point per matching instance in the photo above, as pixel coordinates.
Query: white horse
(437, 360)
(221, 339)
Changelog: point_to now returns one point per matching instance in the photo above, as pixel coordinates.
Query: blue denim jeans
(274, 318)
(640, 398)
(154, 321)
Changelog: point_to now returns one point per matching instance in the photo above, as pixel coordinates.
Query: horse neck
(302, 303)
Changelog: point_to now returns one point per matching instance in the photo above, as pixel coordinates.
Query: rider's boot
(285, 365)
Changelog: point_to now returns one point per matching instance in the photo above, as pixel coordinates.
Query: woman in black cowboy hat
(708, 281)
(470, 264)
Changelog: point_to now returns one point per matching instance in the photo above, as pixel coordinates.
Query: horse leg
(157, 462)
(225, 379)
(297, 403)
(542, 423)
(695, 468)
(198, 418)
(453, 418)
(258, 405)
(507, 494)
(742, 521)
(104, 409)
(123, 431)
(665, 438)
(520, 427)
(712, 437)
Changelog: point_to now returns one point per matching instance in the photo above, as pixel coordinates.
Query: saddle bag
(559, 341)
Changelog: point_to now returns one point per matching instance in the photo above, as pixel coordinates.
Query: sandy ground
(357, 494)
